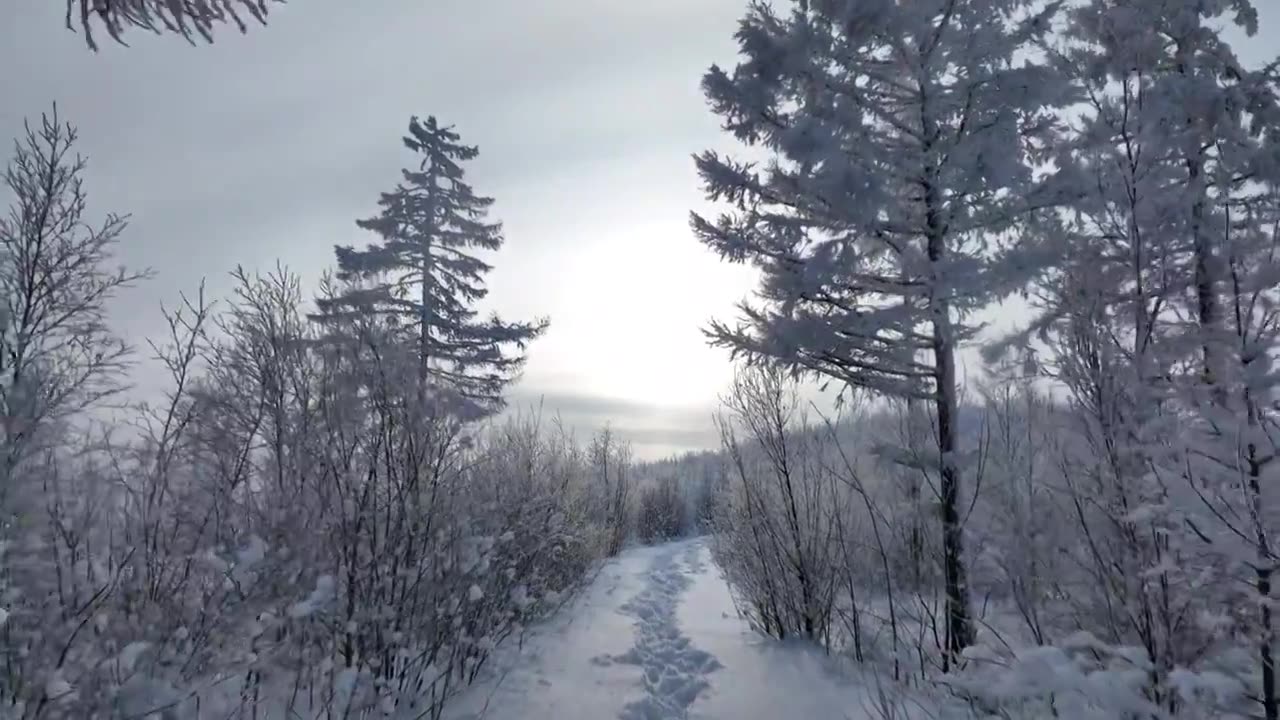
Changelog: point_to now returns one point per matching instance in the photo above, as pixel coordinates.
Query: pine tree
(188, 18)
(903, 137)
(423, 278)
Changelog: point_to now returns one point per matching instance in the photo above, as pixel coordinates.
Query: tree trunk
(1270, 705)
(424, 320)
(959, 634)
(915, 533)
(1209, 314)
(1208, 308)
(1266, 631)
(959, 629)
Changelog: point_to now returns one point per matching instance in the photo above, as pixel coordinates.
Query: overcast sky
(268, 146)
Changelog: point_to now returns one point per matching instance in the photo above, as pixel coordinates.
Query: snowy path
(656, 637)
(674, 670)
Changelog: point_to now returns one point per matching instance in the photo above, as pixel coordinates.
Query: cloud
(269, 145)
(654, 430)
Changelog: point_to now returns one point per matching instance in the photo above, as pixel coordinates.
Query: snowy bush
(312, 522)
(661, 511)
(775, 527)
(610, 488)
(698, 478)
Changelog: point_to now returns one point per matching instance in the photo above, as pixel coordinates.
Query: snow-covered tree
(188, 18)
(903, 139)
(1226, 495)
(424, 276)
(610, 458)
(1146, 318)
(1214, 109)
(1243, 501)
(58, 358)
(57, 353)
(1103, 304)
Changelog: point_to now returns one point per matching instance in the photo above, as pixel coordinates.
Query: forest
(334, 511)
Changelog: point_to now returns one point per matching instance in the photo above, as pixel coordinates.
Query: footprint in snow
(673, 671)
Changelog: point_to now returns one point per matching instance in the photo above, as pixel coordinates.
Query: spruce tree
(423, 277)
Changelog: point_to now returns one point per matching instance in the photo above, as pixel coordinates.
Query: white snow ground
(656, 637)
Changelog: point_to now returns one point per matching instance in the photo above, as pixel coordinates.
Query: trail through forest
(656, 637)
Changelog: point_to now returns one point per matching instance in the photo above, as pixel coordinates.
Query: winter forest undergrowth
(332, 513)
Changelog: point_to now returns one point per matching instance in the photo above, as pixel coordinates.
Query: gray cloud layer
(268, 146)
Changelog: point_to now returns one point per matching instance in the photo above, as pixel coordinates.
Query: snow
(761, 678)
(676, 671)
(56, 687)
(656, 637)
(128, 659)
(252, 553)
(319, 597)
